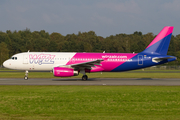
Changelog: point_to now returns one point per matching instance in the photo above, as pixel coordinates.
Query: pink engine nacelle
(64, 72)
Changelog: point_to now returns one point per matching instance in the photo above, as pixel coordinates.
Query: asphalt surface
(91, 81)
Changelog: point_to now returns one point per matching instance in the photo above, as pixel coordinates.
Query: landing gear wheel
(84, 77)
(25, 78)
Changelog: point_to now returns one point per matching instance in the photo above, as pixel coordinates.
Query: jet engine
(64, 72)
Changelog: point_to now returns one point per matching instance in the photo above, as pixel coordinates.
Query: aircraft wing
(87, 65)
(83, 65)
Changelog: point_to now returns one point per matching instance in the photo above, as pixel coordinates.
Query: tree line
(12, 42)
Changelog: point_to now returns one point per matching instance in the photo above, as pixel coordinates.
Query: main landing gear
(26, 75)
(84, 77)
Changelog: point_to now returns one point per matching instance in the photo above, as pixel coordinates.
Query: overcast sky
(105, 17)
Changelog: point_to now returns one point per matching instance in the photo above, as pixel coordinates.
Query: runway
(91, 81)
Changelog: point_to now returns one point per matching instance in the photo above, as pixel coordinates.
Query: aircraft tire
(25, 78)
(84, 77)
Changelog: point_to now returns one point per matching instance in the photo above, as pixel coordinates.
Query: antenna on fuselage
(28, 50)
(104, 51)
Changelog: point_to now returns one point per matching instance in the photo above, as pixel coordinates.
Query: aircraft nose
(5, 63)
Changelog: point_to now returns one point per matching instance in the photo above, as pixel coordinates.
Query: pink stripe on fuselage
(164, 32)
(111, 60)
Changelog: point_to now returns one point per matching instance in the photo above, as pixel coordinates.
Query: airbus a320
(67, 64)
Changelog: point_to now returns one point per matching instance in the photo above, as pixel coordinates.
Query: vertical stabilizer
(160, 44)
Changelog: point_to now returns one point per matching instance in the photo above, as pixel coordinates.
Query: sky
(104, 17)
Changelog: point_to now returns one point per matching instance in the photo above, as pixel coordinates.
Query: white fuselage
(37, 61)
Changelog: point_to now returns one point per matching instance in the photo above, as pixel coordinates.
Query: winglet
(160, 44)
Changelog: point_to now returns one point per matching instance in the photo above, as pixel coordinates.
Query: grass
(90, 102)
(146, 73)
(139, 74)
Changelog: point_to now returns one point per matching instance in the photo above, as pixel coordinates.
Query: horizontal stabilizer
(162, 58)
(159, 59)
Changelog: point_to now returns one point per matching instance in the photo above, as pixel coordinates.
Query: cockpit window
(14, 58)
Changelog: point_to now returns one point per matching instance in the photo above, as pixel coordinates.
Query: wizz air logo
(41, 59)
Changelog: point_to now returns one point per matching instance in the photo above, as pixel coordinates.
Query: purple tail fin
(160, 44)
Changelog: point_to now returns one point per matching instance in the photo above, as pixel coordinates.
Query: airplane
(67, 64)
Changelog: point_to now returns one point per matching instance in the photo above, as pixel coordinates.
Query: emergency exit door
(140, 60)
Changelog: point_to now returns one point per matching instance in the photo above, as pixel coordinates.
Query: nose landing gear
(26, 75)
